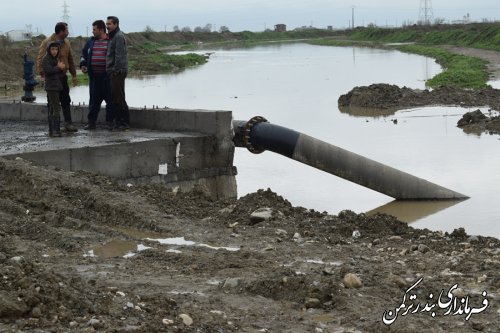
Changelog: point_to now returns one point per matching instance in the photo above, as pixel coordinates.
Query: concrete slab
(31, 136)
(179, 148)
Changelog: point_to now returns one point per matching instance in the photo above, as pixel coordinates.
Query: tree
(198, 29)
(176, 28)
(148, 29)
(223, 29)
(186, 29)
(207, 28)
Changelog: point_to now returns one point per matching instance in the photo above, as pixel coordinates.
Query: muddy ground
(294, 270)
(385, 99)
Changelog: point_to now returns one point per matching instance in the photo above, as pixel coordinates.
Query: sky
(237, 15)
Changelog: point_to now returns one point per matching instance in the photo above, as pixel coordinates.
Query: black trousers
(120, 107)
(99, 91)
(65, 100)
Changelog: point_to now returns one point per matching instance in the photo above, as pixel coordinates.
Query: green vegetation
(460, 71)
(148, 57)
(83, 79)
(478, 35)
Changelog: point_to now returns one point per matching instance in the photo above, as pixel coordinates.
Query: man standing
(93, 62)
(65, 56)
(117, 69)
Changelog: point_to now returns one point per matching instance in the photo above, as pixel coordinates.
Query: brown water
(297, 86)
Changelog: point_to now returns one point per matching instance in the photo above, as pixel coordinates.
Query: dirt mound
(386, 96)
(477, 122)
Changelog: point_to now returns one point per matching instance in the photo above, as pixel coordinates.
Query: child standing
(54, 69)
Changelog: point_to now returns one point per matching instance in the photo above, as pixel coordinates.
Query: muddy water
(297, 86)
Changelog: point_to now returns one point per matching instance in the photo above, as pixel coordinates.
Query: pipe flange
(246, 134)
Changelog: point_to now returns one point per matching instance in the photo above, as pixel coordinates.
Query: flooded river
(297, 86)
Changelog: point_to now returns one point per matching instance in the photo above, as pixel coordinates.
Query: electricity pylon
(425, 15)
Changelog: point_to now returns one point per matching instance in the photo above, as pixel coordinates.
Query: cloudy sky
(237, 15)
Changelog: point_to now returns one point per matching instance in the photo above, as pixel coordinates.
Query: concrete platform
(179, 148)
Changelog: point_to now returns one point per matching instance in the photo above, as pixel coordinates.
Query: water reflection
(366, 112)
(411, 211)
(115, 248)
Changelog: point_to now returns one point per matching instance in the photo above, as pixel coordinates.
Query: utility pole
(352, 14)
(425, 15)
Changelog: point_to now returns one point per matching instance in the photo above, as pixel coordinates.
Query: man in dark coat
(117, 69)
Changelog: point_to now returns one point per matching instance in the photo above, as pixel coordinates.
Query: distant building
(280, 27)
(18, 35)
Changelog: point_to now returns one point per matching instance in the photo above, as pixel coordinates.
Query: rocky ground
(80, 253)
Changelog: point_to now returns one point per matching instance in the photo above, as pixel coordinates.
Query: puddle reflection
(117, 248)
(411, 211)
(127, 249)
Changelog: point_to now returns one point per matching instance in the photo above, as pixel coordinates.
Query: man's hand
(84, 69)
(75, 81)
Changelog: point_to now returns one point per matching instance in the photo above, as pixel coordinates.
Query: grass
(164, 63)
(460, 71)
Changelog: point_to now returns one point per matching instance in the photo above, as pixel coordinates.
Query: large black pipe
(259, 135)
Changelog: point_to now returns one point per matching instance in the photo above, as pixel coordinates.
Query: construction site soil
(82, 253)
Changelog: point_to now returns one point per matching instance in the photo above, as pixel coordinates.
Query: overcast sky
(237, 15)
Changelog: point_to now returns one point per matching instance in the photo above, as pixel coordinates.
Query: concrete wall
(201, 154)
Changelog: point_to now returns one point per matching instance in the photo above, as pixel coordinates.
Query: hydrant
(29, 80)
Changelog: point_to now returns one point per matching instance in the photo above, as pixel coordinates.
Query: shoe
(121, 126)
(89, 126)
(69, 127)
(125, 126)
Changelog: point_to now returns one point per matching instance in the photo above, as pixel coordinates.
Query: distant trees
(207, 28)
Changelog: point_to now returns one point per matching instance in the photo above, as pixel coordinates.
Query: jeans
(99, 91)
